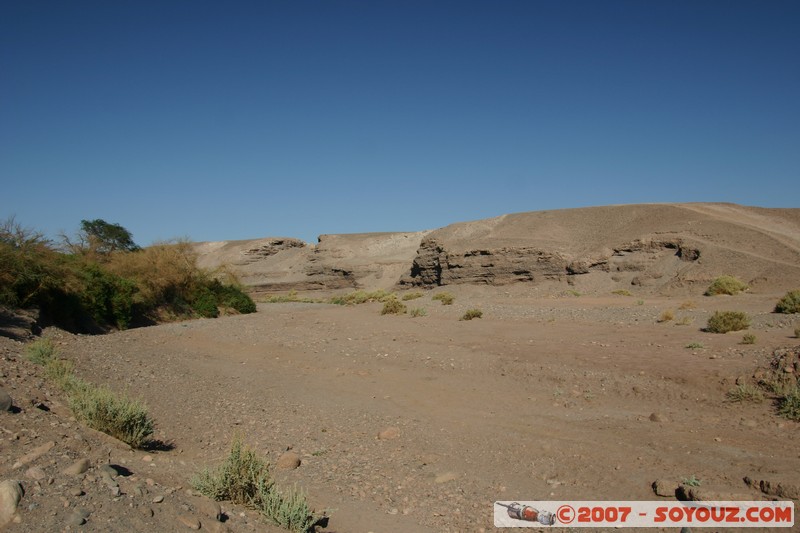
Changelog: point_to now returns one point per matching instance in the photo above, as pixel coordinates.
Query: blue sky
(233, 120)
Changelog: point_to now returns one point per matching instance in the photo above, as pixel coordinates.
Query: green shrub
(790, 303)
(116, 415)
(233, 297)
(748, 338)
(789, 405)
(417, 312)
(695, 346)
(726, 285)
(393, 306)
(245, 479)
(622, 292)
(445, 297)
(108, 298)
(411, 296)
(41, 351)
(725, 321)
(204, 303)
(472, 313)
(746, 393)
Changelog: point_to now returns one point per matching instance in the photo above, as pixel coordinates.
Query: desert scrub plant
(393, 306)
(666, 316)
(725, 321)
(116, 415)
(748, 338)
(412, 296)
(622, 292)
(472, 313)
(745, 393)
(684, 321)
(790, 303)
(688, 304)
(41, 351)
(244, 478)
(445, 297)
(695, 346)
(361, 297)
(691, 481)
(573, 292)
(418, 312)
(726, 285)
(789, 405)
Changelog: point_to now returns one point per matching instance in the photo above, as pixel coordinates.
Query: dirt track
(543, 398)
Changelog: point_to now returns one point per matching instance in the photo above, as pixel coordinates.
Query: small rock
(109, 471)
(189, 521)
(11, 492)
(115, 491)
(78, 517)
(208, 507)
(389, 433)
(158, 499)
(76, 492)
(36, 473)
(664, 488)
(6, 403)
(288, 461)
(749, 423)
(78, 467)
(146, 511)
(34, 454)
(657, 417)
(147, 458)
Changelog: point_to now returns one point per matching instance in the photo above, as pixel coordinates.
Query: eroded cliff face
(648, 259)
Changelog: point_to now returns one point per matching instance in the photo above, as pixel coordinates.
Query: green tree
(105, 237)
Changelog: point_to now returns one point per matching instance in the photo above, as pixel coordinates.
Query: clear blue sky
(231, 120)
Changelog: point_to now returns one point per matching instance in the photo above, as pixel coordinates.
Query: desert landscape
(585, 373)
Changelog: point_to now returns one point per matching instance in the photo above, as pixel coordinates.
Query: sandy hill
(657, 247)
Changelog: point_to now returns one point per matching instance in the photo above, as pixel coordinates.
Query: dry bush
(666, 316)
(412, 296)
(418, 312)
(748, 338)
(688, 304)
(725, 321)
(445, 297)
(726, 285)
(472, 313)
(622, 292)
(790, 303)
(393, 306)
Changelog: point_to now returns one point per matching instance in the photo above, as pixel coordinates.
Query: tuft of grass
(116, 415)
(393, 306)
(666, 316)
(692, 481)
(725, 321)
(639, 302)
(695, 346)
(291, 297)
(684, 321)
(472, 313)
(745, 393)
(445, 297)
(726, 285)
(622, 292)
(573, 292)
(411, 296)
(41, 351)
(748, 338)
(790, 303)
(362, 297)
(688, 304)
(789, 405)
(418, 312)
(244, 478)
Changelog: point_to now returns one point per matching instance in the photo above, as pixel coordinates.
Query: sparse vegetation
(244, 478)
(639, 302)
(746, 393)
(98, 407)
(692, 481)
(472, 313)
(688, 304)
(418, 312)
(573, 292)
(695, 346)
(748, 338)
(666, 316)
(684, 321)
(411, 296)
(292, 296)
(622, 292)
(789, 405)
(726, 285)
(361, 297)
(393, 306)
(445, 297)
(790, 303)
(725, 321)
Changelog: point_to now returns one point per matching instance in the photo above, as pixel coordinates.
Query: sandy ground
(546, 397)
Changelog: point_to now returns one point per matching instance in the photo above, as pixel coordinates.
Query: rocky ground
(408, 424)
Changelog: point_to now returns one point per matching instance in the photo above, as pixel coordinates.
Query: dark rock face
(272, 247)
